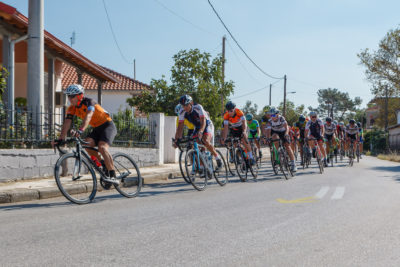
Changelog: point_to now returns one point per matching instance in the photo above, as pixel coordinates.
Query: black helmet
(185, 99)
(328, 119)
(302, 118)
(230, 105)
(352, 121)
(359, 124)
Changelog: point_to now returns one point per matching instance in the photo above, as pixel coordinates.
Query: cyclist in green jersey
(254, 131)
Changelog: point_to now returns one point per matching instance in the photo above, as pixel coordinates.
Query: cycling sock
(112, 173)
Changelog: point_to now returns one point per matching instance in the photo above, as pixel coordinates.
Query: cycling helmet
(230, 105)
(273, 111)
(185, 99)
(313, 113)
(177, 109)
(249, 117)
(341, 123)
(359, 124)
(302, 118)
(328, 119)
(352, 121)
(74, 89)
(335, 122)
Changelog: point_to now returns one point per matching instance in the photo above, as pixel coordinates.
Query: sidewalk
(46, 188)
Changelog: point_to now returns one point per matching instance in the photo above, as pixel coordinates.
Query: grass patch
(392, 157)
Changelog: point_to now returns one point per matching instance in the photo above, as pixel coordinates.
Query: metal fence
(394, 142)
(23, 128)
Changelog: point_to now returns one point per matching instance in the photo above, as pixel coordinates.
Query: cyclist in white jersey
(351, 134)
(315, 129)
(330, 135)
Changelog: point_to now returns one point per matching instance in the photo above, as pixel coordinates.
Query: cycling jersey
(195, 116)
(236, 121)
(351, 130)
(300, 127)
(253, 128)
(314, 128)
(99, 117)
(188, 124)
(278, 125)
(264, 121)
(329, 129)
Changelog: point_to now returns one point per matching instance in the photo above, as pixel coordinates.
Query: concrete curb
(19, 195)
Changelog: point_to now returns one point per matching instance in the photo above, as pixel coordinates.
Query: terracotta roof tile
(124, 82)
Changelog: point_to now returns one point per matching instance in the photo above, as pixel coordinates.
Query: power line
(182, 18)
(250, 93)
(240, 62)
(113, 34)
(237, 43)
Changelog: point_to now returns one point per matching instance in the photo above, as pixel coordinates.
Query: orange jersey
(99, 117)
(235, 121)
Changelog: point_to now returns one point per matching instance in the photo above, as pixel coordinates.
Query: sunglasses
(273, 115)
(313, 117)
(231, 110)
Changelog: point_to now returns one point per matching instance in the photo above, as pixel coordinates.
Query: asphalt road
(345, 217)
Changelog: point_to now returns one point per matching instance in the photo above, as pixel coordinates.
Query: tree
(335, 104)
(292, 112)
(3, 82)
(194, 73)
(248, 109)
(383, 66)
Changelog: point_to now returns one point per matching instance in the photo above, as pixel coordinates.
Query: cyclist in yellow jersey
(187, 123)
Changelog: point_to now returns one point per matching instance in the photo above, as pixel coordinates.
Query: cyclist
(361, 135)
(330, 135)
(315, 129)
(340, 133)
(203, 128)
(188, 124)
(264, 122)
(102, 134)
(351, 134)
(234, 120)
(254, 131)
(278, 128)
(299, 128)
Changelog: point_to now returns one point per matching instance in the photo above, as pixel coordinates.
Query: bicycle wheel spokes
(274, 162)
(283, 165)
(195, 169)
(220, 174)
(230, 161)
(241, 165)
(75, 179)
(128, 174)
(182, 166)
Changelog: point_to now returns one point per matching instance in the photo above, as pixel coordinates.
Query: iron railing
(23, 128)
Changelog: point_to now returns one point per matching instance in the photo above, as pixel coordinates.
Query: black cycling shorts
(105, 132)
(236, 133)
(281, 136)
(328, 137)
(352, 136)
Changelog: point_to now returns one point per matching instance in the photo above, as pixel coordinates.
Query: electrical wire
(250, 93)
(114, 37)
(182, 18)
(237, 43)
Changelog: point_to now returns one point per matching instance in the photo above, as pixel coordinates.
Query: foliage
(391, 157)
(336, 104)
(21, 102)
(194, 73)
(3, 81)
(383, 66)
(377, 138)
(292, 112)
(393, 105)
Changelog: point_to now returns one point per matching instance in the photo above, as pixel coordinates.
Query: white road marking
(339, 192)
(322, 192)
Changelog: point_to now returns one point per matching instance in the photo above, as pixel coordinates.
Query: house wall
(112, 100)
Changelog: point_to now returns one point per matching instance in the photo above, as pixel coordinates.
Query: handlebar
(58, 143)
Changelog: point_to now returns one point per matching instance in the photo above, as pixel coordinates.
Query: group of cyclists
(327, 134)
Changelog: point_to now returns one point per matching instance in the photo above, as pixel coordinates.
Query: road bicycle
(201, 166)
(242, 161)
(351, 153)
(332, 153)
(279, 157)
(342, 151)
(182, 155)
(75, 175)
(230, 158)
(306, 155)
(256, 152)
(318, 155)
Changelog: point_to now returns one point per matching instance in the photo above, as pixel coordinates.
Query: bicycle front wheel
(241, 164)
(220, 174)
(182, 166)
(230, 160)
(128, 174)
(283, 165)
(75, 178)
(196, 169)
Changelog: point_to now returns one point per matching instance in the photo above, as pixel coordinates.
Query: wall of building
(112, 100)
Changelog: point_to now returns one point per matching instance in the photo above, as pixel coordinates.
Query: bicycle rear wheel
(241, 164)
(75, 178)
(319, 160)
(283, 165)
(221, 174)
(274, 162)
(128, 174)
(195, 166)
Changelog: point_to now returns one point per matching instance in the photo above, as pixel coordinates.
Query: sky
(314, 42)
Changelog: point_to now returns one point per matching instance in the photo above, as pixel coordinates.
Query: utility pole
(270, 87)
(134, 69)
(284, 96)
(386, 108)
(223, 74)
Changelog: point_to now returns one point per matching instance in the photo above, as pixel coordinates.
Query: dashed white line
(322, 192)
(339, 192)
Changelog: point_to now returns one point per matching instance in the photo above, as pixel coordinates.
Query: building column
(157, 119)
(6, 58)
(50, 91)
(99, 91)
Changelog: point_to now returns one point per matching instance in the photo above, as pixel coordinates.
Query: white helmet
(74, 89)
